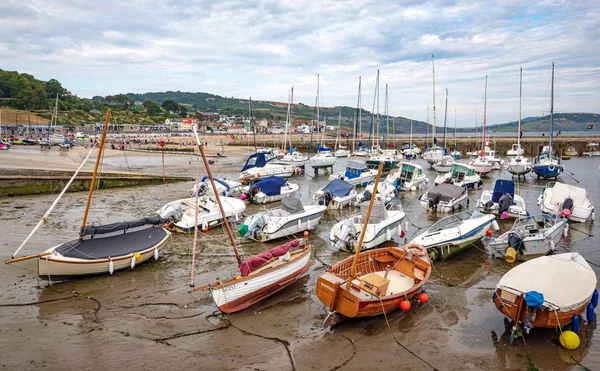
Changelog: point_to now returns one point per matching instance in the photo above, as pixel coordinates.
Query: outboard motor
(448, 180)
(252, 191)
(256, 224)
(504, 203)
(347, 238)
(172, 212)
(516, 242)
(568, 204)
(325, 198)
(367, 195)
(201, 189)
(434, 200)
(488, 205)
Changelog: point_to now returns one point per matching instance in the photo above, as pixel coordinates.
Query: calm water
(458, 329)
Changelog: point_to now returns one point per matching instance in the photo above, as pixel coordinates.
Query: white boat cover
(560, 191)
(566, 280)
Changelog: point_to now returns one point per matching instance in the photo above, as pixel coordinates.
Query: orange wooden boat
(375, 281)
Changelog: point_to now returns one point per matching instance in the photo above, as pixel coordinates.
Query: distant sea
(491, 135)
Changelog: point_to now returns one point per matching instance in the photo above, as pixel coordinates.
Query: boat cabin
(354, 169)
(407, 172)
(258, 160)
(459, 171)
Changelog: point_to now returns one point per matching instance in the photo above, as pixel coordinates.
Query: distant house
(210, 116)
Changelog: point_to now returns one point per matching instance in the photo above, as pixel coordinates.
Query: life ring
(551, 168)
(416, 249)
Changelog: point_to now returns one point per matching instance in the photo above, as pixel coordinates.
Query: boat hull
(547, 171)
(279, 229)
(534, 245)
(237, 295)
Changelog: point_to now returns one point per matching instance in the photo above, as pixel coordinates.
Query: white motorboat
(455, 233)
(481, 165)
(294, 158)
(385, 192)
(434, 153)
(385, 223)
(444, 164)
(336, 195)
(445, 198)
(490, 156)
(519, 165)
(410, 151)
(260, 165)
(268, 189)
(225, 187)
(362, 152)
(323, 159)
(409, 177)
(461, 175)
(183, 212)
(389, 158)
(516, 149)
(593, 152)
(357, 173)
(530, 236)
(502, 201)
(289, 219)
(560, 196)
(342, 151)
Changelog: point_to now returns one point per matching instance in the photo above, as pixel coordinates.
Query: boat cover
(257, 160)
(270, 186)
(256, 261)
(356, 165)
(501, 188)
(338, 187)
(113, 246)
(560, 191)
(378, 213)
(323, 149)
(566, 280)
(292, 205)
(120, 226)
(447, 191)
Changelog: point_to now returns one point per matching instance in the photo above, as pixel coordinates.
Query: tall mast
(520, 103)
(484, 116)
(318, 104)
(356, 118)
(455, 128)
(385, 118)
(291, 115)
(378, 117)
(360, 106)
(365, 225)
(445, 117)
(433, 64)
(94, 176)
(426, 130)
(375, 100)
(287, 122)
(253, 125)
(411, 122)
(551, 113)
(337, 137)
(218, 198)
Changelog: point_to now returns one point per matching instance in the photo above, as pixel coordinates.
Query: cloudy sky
(261, 48)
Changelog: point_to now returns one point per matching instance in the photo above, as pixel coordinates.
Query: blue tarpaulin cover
(339, 187)
(257, 160)
(502, 187)
(323, 149)
(534, 299)
(270, 186)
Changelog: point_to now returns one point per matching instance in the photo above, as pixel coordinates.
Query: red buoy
(405, 305)
(423, 297)
(566, 213)
(488, 232)
(402, 233)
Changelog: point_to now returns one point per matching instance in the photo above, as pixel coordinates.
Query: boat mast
(365, 225)
(318, 115)
(356, 118)
(385, 118)
(373, 112)
(360, 106)
(337, 137)
(253, 125)
(455, 147)
(426, 131)
(93, 182)
(218, 198)
(445, 117)
(433, 64)
(291, 117)
(484, 117)
(287, 123)
(551, 114)
(520, 103)
(411, 123)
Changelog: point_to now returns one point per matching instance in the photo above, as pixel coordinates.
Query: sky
(262, 48)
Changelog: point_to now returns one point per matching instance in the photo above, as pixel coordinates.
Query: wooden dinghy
(261, 275)
(375, 281)
(546, 291)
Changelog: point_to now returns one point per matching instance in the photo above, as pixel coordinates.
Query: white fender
(156, 253)
(388, 234)
(237, 217)
(413, 188)
(495, 225)
(133, 262)
(299, 223)
(406, 225)
(552, 245)
(204, 225)
(566, 230)
(111, 266)
(308, 224)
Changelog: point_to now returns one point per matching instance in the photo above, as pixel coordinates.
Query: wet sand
(146, 319)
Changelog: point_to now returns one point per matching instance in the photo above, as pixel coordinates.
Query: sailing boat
(55, 138)
(547, 165)
(324, 158)
(293, 157)
(373, 282)
(444, 164)
(261, 275)
(435, 152)
(519, 165)
(455, 153)
(388, 157)
(342, 151)
(481, 165)
(3, 144)
(99, 249)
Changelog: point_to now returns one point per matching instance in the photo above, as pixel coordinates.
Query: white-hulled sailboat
(324, 158)
(519, 165)
(481, 165)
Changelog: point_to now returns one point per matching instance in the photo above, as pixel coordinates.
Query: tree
(53, 87)
(171, 106)
(122, 99)
(152, 108)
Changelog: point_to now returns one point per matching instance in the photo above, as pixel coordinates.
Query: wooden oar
(517, 316)
(14, 260)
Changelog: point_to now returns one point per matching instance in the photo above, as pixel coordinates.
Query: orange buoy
(423, 297)
(305, 234)
(405, 305)
(488, 232)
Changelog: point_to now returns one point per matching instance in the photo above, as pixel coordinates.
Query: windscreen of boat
(407, 172)
(451, 221)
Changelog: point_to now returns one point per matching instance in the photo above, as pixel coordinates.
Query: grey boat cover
(447, 191)
(292, 205)
(378, 213)
(339, 187)
(120, 226)
(113, 246)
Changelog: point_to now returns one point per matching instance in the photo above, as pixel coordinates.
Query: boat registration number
(229, 288)
(508, 296)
